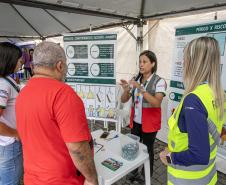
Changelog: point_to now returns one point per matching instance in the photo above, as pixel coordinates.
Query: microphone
(135, 78)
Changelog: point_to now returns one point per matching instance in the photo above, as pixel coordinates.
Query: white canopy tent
(23, 19)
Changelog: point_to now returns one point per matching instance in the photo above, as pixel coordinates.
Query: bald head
(47, 54)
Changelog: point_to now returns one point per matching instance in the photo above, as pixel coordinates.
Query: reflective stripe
(177, 173)
(213, 131)
(213, 151)
(193, 167)
(201, 181)
(212, 147)
(172, 144)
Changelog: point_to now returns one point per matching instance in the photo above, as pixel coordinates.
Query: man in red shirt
(52, 125)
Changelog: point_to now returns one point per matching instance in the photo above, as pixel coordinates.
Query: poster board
(183, 36)
(91, 73)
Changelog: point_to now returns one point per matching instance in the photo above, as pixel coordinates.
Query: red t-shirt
(50, 114)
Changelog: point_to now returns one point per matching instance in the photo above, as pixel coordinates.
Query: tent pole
(156, 23)
(130, 32)
(139, 44)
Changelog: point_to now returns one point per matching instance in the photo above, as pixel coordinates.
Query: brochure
(112, 164)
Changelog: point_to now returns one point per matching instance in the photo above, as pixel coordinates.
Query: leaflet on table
(112, 164)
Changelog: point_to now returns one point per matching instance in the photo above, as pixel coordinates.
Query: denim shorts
(11, 164)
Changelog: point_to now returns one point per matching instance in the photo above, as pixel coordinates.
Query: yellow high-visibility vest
(178, 142)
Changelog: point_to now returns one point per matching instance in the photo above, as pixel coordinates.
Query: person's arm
(125, 96)
(155, 100)
(81, 155)
(4, 96)
(8, 131)
(70, 115)
(194, 122)
(126, 93)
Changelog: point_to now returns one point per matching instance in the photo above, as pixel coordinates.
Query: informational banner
(183, 37)
(91, 62)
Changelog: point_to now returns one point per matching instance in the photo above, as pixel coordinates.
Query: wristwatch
(168, 158)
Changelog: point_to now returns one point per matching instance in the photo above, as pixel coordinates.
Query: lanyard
(138, 94)
(11, 83)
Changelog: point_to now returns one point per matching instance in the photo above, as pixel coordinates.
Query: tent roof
(44, 18)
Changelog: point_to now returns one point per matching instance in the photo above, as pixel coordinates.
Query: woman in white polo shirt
(11, 161)
(147, 92)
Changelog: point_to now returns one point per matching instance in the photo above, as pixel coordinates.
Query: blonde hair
(202, 63)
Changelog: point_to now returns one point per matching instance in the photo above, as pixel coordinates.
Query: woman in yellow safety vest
(195, 126)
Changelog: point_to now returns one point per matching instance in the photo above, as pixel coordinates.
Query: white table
(112, 149)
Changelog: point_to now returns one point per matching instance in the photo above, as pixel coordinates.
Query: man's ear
(59, 66)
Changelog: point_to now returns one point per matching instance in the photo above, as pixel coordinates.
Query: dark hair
(31, 50)
(152, 57)
(9, 56)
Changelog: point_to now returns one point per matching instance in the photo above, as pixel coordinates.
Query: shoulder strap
(11, 83)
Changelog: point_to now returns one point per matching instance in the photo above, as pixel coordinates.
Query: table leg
(147, 172)
(118, 125)
(100, 180)
(106, 124)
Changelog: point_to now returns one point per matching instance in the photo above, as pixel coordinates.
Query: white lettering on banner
(219, 27)
(203, 28)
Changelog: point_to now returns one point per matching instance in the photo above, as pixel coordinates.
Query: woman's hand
(124, 85)
(126, 94)
(163, 155)
(134, 84)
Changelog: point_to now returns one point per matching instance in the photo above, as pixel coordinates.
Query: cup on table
(129, 146)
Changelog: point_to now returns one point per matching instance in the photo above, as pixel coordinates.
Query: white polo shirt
(138, 97)
(8, 96)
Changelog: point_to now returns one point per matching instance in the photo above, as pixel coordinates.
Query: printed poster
(91, 62)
